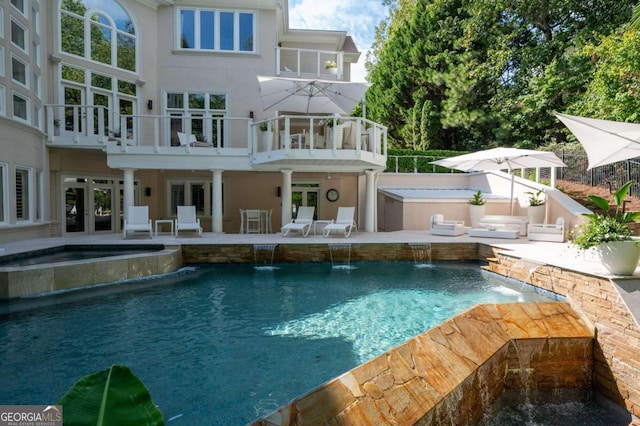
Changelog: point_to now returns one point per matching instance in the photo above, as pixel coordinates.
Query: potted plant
(609, 233)
(266, 135)
(537, 209)
(476, 211)
(331, 66)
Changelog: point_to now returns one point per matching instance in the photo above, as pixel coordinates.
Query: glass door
(305, 195)
(76, 209)
(102, 209)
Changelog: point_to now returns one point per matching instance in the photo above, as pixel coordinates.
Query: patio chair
(449, 228)
(191, 140)
(187, 220)
(137, 220)
(553, 232)
(302, 223)
(344, 222)
(253, 220)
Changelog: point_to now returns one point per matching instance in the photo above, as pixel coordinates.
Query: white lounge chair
(137, 220)
(553, 232)
(344, 222)
(449, 228)
(302, 223)
(187, 220)
(191, 140)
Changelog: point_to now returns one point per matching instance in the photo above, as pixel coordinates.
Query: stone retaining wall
(453, 373)
(616, 372)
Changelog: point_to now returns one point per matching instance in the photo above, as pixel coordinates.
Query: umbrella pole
(511, 199)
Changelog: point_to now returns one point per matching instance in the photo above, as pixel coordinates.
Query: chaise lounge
(302, 223)
(343, 223)
(553, 232)
(137, 221)
(187, 220)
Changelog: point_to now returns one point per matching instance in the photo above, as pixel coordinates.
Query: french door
(91, 206)
(304, 195)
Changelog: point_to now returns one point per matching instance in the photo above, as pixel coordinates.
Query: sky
(358, 18)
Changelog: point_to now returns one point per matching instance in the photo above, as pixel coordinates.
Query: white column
(216, 209)
(369, 201)
(286, 196)
(128, 190)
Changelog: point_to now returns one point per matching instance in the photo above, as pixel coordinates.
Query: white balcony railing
(319, 133)
(309, 63)
(94, 127)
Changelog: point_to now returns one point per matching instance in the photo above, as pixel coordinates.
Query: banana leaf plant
(110, 397)
(605, 227)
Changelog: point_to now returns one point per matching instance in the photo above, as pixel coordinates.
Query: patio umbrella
(501, 159)
(604, 141)
(310, 96)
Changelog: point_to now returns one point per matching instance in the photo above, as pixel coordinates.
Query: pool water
(225, 344)
(73, 252)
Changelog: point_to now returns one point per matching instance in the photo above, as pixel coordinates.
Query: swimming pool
(227, 344)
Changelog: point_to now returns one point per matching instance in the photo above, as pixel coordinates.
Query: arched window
(100, 31)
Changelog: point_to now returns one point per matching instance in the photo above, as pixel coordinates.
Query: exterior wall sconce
(149, 104)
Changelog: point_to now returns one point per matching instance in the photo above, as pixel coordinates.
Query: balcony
(199, 142)
(306, 63)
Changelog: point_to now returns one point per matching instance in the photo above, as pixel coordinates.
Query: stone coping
(460, 358)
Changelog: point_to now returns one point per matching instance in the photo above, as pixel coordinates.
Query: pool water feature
(226, 344)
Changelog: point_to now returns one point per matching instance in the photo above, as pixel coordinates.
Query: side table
(161, 221)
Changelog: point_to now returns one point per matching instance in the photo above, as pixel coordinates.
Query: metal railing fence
(610, 176)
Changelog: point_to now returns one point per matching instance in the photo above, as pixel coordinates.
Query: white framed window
(4, 193)
(37, 116)
(2, 67)
(3, 101)
(23, 194)
(189, 193)
(110, 37)
(35, 53)
(19, 71)
(19, 35)
(205, 114)
(39, 206)
(20, 107)
(1, 22)
(20, 6)
(216, 30)
(37, 85)
(35, 16)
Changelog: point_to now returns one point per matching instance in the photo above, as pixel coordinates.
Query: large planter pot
(536, 213)
(476, 213)
(329, 130)
(267, 139)
(620, 257)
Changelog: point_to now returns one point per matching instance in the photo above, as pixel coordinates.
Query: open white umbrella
(310, 96)
(501, 159)
(604, 141)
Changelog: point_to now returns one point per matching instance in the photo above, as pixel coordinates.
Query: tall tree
(492, 70)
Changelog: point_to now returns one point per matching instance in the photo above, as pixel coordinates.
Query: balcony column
(286, 196)
(216, 213)
(128, 191)
(370, 201)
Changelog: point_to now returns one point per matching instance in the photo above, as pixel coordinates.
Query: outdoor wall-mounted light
(149, 104)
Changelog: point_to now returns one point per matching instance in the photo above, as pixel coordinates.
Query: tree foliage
(470, 74)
